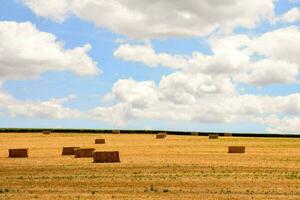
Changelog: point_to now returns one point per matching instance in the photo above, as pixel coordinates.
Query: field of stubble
(178, 167)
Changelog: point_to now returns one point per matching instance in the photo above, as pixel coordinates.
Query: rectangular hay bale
(99, 141)
(161, 135)
(213, 136)
(236, 149)
(46, 132)
(69, 150)
(18, 153)
(106, 156)
(84, 152)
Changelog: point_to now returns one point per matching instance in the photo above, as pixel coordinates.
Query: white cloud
(204, 89)
(147, 55)
(51, 109)
(281, 125)
(156, 19)
(26, 52)
(271, 58)
(117, 115)
(54, 9)
(187, 88)
(267, 72)
(281, 44)
(293, 15)
(134, 104)
(221, 62)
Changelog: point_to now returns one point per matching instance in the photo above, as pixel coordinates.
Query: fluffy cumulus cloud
(281, 125)
(56, 10)
(291, 16)
(134, 103)
(271, 58)
(51, 109)
(26, 52)
(155, 19)
(204, 88)
(201, 87)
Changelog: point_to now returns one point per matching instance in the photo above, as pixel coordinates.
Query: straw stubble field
(178, 167)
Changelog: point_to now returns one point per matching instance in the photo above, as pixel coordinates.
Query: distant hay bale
(18, 153)
(161, 135)
(213, 136)
(84, 152)
(69, 150)
(228, 134)
(236, 149)
(194, 133)
(46, 132)
(106, 156)
(115, 131)
(99, 141)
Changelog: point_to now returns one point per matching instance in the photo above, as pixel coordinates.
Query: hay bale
(99, 141)
(115, 131)
(236, 149)
(161, 135)
(194, 133)
(46, 132)
(213, 136)
(84, 152)
(106, 156)
(228, 134)
(69, 150)
(18, 153)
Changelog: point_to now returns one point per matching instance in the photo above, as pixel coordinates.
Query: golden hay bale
(69, 150)
(115, 131)
(194, 133)
(161, 135)
(84, 152)
(236, 149)
(213, 136)
(99, 141)
(18, 153)
(106, 156)
(46, 132)
(227, 134)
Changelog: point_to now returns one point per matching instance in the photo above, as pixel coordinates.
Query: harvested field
(181, 167)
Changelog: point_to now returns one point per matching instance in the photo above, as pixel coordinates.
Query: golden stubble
(177, 167)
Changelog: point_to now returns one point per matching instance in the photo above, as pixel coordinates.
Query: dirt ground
(178, 167)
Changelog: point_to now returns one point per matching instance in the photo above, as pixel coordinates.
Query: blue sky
(176, 66)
